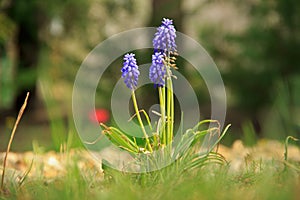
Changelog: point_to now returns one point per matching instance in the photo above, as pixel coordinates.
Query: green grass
(263, 180)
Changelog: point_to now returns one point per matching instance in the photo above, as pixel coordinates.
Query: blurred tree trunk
(25, 15)
(168, 9)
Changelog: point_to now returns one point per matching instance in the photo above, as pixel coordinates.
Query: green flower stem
(170, 101)
(162, 102)
(170, 109)
(140, 121)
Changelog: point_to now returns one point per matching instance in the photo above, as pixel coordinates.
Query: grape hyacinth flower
(165, 45)
(157, 70)
(164, 38)
(130, 71)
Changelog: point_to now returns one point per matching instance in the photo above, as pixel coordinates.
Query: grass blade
(22, 109)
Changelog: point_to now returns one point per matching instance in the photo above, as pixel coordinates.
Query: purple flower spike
(130, 71)
(157, 70)
(164, 38)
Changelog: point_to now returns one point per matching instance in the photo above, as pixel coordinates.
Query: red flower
(99, 115)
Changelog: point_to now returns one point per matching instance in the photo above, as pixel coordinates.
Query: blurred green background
(255, 44)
